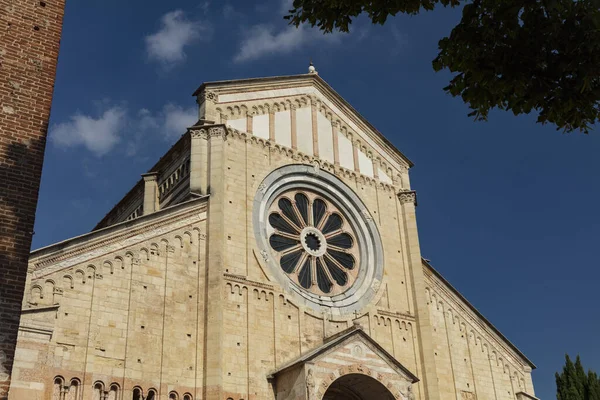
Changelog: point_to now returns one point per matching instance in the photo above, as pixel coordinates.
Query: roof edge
(315, 78)
(479, 314)
(336, 339)
(44, 251)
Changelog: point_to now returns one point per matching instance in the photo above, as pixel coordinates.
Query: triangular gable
(81, 249)
(304, 113)
(351, 336)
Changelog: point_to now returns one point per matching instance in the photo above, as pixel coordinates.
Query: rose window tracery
(314, 244)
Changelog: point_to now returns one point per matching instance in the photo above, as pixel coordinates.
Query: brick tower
(29, 43)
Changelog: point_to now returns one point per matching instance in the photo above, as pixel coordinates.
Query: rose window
(314, 244)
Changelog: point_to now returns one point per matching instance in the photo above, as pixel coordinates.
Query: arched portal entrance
(357, 387)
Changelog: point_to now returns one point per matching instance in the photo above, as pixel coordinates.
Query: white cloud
(400, 40)
(286, 6)
(230, 13)
(176, 119)
(98, 135)
(167, 45)
(260, 40)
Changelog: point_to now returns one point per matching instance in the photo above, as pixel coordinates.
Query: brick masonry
(29, 44)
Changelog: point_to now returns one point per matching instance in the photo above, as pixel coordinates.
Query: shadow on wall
(20, 171)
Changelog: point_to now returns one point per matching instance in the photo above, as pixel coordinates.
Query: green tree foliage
(574, 384)
(515, 55)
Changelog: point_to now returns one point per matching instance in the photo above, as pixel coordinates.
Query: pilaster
(215, 256)
(150, 192)
(199, 160)
(408, 202)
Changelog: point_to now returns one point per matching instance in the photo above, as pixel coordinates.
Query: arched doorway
(357, 387)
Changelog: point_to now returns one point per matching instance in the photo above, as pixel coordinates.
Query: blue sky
(507, 209)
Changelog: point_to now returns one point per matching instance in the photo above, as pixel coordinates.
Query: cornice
(109, 236)
(396, 314)
(408, 196)
(293, 81)
(299, 157)
(244, 281)
(462, 305)
(207, 132)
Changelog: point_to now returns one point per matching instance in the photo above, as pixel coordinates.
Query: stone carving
(310, 384)
(199, 133)
(408, 393)
(207, 95)
(408, 197)
(367, 215)
(464, 395)
(316, 166)
(265, 255)
(262, 188)
(218, 131)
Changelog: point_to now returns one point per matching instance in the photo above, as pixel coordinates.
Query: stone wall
(472, 361)
(117, 310)
(264, 327)
(183, 301)
(29, 45)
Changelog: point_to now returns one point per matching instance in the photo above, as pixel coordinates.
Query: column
(150, 192)
(408, 201)
(293, 123)
(215, 251)
(315, 127)
(199, 160)
(336, 147)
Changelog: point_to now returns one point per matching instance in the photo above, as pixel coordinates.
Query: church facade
(271, 254)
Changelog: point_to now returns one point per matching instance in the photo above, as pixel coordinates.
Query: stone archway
(357, 387)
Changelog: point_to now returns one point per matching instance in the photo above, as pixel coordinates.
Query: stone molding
(94, 268)
(313, 86)
(251, 108)
(396, 315)
(208, 132)
(370, 274)
(408, 196)
(104, 241)
(299, 157)
(244, 281)
(322, 365)
(525, 396)
(483, 337)
(207, 96)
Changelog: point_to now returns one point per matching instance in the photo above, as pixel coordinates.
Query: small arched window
(187, 396)
(173, 396)
(57, 387)
(137, 394)
(113, 393)
(98, 392)
(73, 393)
(151, 395)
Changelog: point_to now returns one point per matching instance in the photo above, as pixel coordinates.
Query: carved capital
(201, 133)
(208, 96)
(218, 131)
(409, 196)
